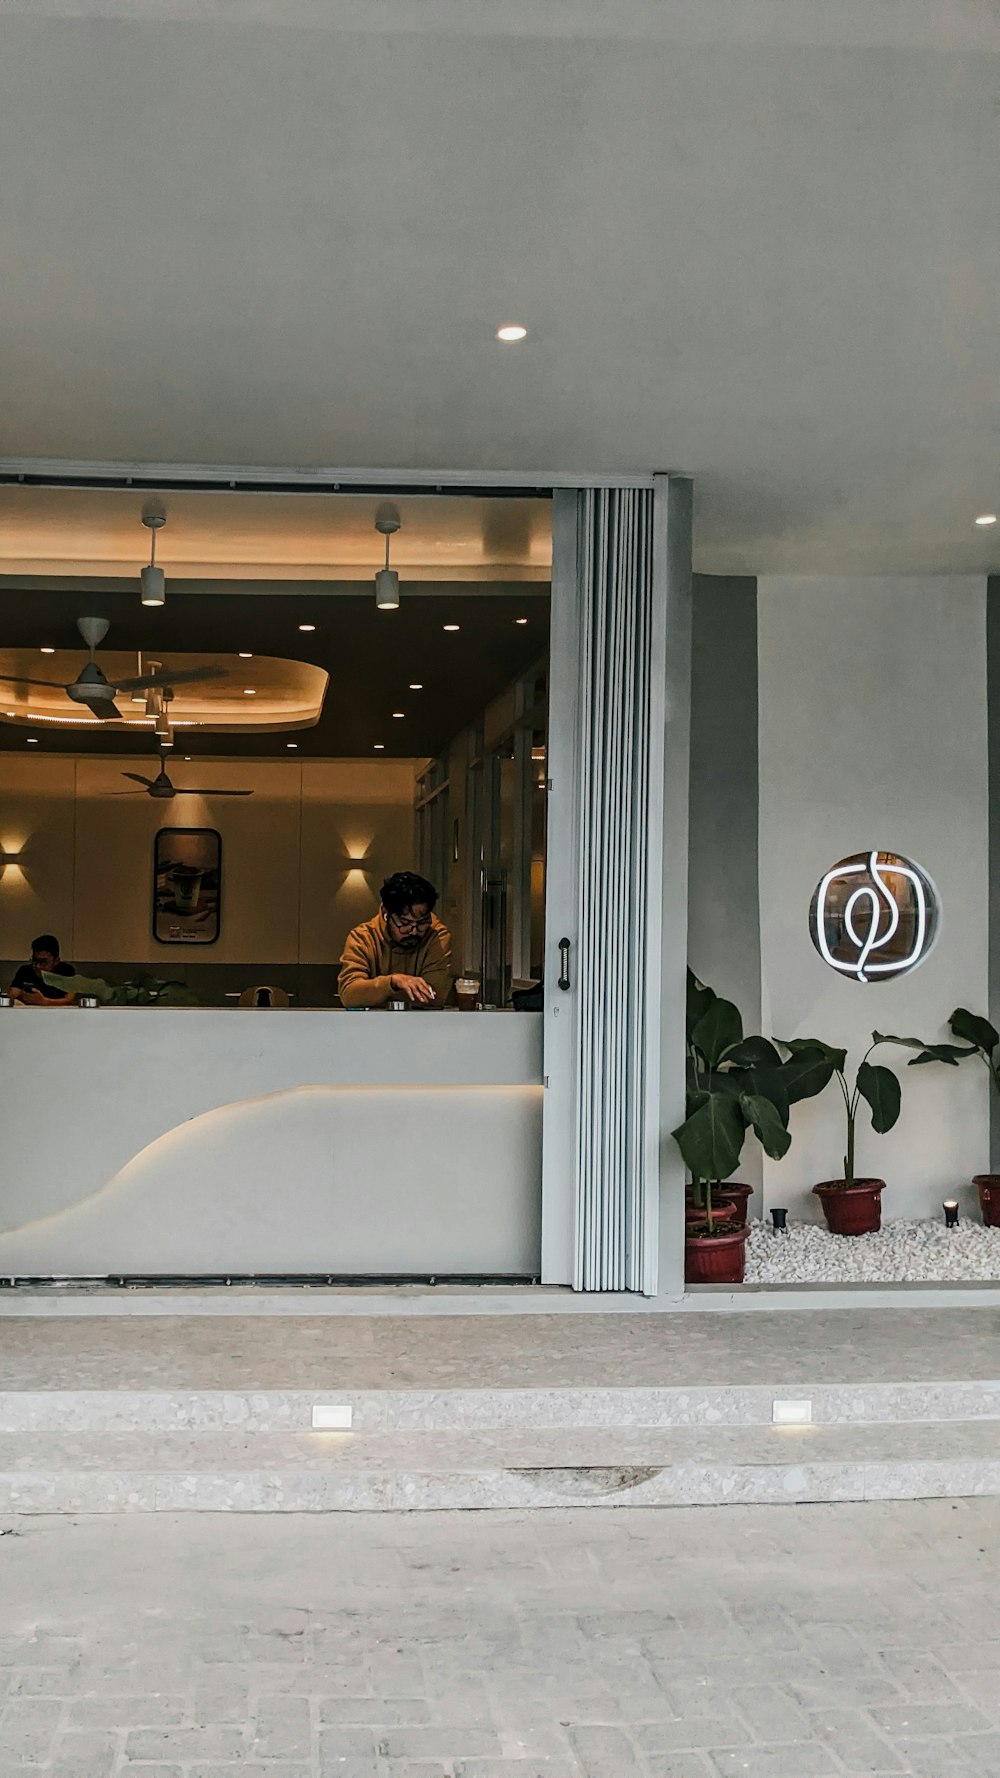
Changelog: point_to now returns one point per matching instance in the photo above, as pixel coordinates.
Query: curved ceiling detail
(260, 694)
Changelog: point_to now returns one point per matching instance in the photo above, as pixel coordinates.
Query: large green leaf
(975, 1030)
(881, 1089)
(808, 1072)
(768, 1127)
(94, 986)
(718, 1030)
(699, 999)
(753, 1052)
(767, 1083)
(942, 1052)
(814, 1046)
(711, 1140)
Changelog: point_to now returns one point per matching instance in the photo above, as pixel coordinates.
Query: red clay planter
(719, 1258)
(988, 1187)
(852, 1209)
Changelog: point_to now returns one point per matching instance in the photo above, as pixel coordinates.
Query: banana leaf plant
(979, 1038)
(736, 1084)
(877, 1086)
(142, 990)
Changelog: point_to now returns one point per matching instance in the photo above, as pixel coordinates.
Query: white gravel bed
(902, 1252)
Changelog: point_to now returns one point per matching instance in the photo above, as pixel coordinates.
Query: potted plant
(979, 1038)
(853, 1205)
(734, 1084)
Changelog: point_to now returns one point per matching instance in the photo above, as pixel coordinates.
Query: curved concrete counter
(168, 1140)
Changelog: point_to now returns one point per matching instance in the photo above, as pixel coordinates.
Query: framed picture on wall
(187, 885)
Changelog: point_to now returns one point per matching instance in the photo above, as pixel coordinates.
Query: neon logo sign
(873, 916)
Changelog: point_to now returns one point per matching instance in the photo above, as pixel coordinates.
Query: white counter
(168, 1140)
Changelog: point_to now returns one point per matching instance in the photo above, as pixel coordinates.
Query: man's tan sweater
(371, 959)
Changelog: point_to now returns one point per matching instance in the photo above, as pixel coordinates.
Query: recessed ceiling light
(307, 628)
(452, 626)
(398, 715)
(987, 518)
(520, 620)
(46, 651)
(511, 332)
(249, 692)
(245, 656)
(32, 740)
(380, 747)
(291, 743)
(187, 759)
(415, 685)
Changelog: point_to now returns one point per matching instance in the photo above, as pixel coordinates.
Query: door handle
(564, 964)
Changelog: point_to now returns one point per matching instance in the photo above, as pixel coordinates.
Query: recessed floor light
(414, 686)
(32, 740)
(307, 628)
(511, 332)
(452, 626)
(398, 715)
(292, 744)
(46, 651)
(987, 518)
(187, 759)
(520, 620)
(245, 656)
(379, 747)
(249, 691)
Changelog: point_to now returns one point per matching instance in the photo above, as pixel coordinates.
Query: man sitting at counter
(28, 986)
(404, 953)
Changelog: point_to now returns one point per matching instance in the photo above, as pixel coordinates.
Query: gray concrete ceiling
(755, 240)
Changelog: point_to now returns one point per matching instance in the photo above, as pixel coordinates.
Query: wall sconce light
(950, 1208)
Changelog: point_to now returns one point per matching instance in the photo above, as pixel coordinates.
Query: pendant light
(152, 586)
(387, 580)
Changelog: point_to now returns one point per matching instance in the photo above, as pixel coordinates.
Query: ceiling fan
(98, 693)
(161, 786)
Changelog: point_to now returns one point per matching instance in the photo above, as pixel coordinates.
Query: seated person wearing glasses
(404, 953)
(28, 986)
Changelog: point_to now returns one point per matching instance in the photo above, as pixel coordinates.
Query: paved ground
(817, 1345)
(720, 1643)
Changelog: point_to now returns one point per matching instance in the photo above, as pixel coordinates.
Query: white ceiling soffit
(756, 241)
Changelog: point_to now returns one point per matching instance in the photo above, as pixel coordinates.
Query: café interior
(321, 690)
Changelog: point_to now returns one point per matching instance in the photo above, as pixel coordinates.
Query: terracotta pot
(729, 1200)
(719, 1258)
(988, 1187)
(851, 1209)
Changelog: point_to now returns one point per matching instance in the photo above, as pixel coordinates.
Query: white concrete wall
(269, 1142)
(873, 733)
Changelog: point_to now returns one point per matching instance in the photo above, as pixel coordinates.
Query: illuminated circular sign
(874, 916)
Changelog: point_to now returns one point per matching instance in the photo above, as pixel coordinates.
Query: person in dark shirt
(28, 986)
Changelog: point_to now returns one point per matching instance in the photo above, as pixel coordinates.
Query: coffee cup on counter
(467, 993)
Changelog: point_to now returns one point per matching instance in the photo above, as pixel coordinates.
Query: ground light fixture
(307, 629)
(520, 620)
(46, 651)
(987, 518)
(245, 655)
(511, 332)
(387, 523)
(451, 628)
(779, 1221)
(950, 1208)
(398, 715)
(152, 586)
(415, 685)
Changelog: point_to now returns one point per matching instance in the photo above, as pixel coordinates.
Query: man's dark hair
(46, 941)
(404, 889)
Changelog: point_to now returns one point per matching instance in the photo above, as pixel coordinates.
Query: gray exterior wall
(993, 743)
(723, 897)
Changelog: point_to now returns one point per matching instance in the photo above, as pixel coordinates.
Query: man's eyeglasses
(406, 922)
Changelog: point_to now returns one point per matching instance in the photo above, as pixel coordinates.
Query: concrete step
(458, 1410)
(239, 1471)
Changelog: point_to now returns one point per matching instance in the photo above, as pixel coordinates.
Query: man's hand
(413, 988)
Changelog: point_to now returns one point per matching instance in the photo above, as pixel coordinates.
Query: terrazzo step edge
(411, 1410)
(179, 1472)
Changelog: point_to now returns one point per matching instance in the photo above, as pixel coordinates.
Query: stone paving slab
(785, 1350)
(412, 1472)
(851, 1641)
